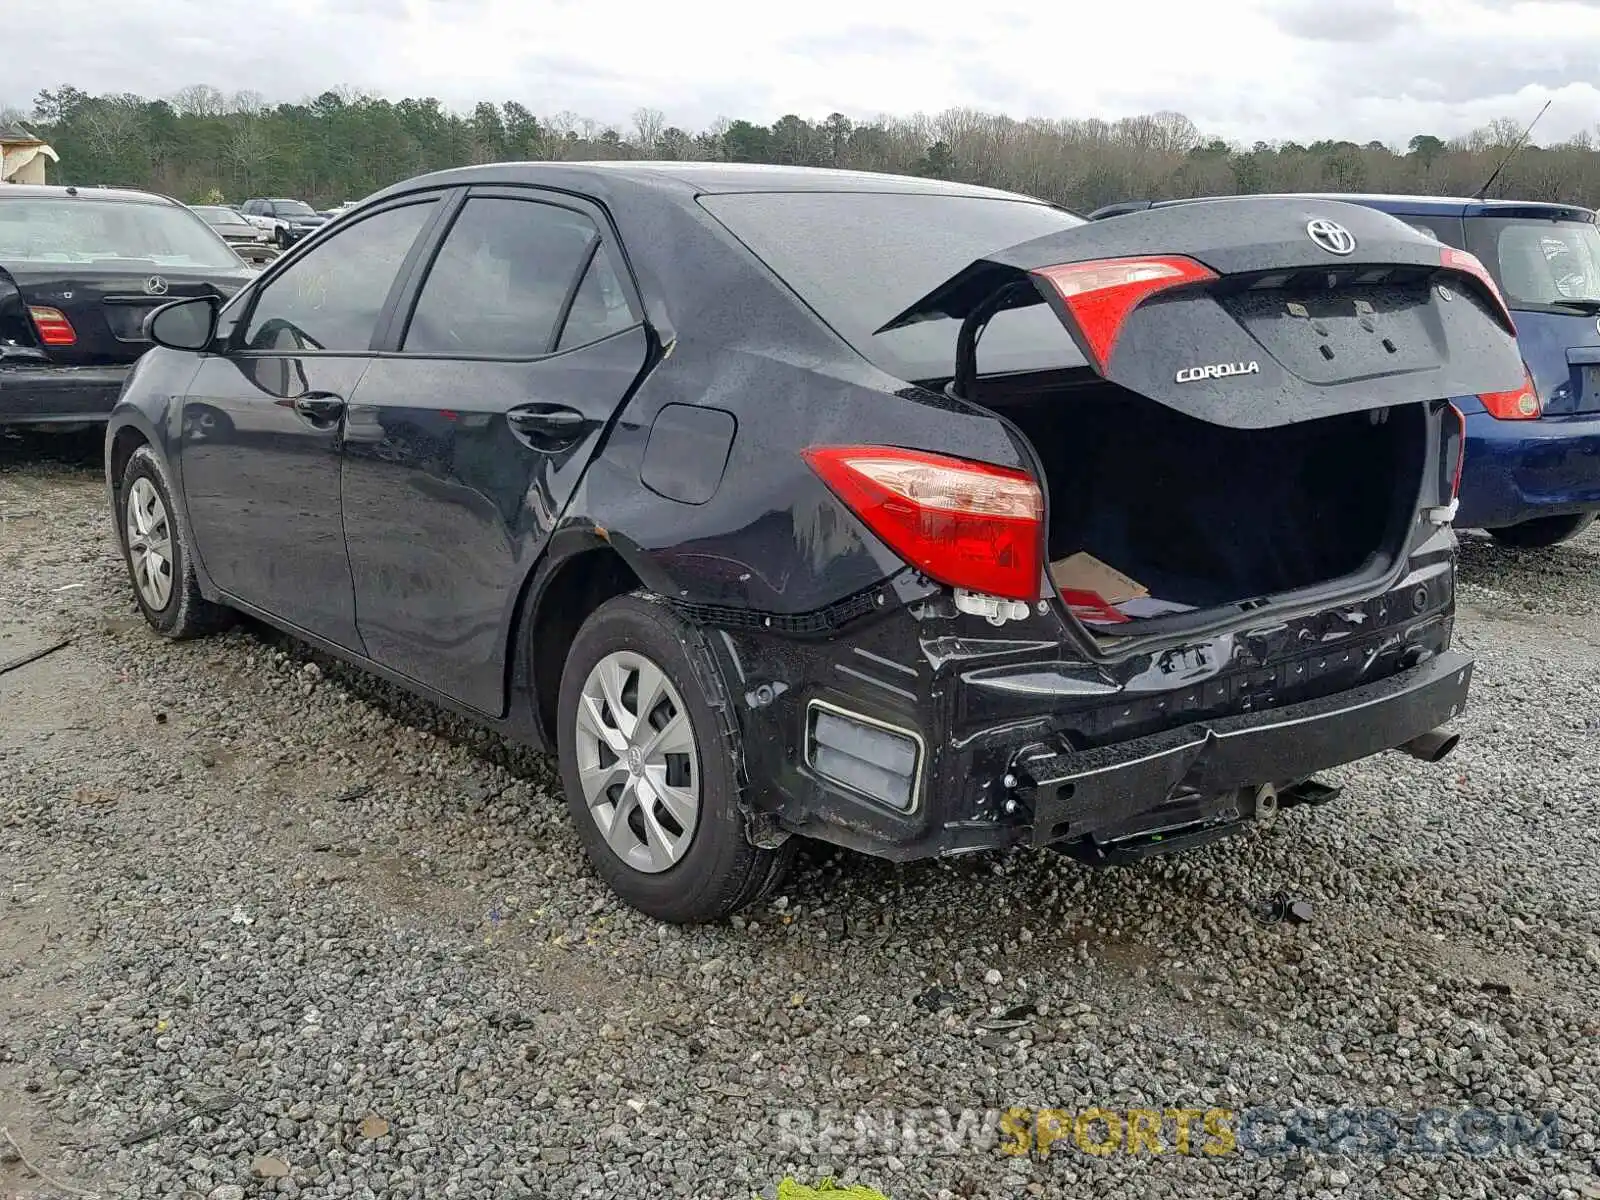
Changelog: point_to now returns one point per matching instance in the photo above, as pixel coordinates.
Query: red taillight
(1469, 264)
(53, 326)
(1461, 451)
(1519, 404)
(1101, 294)
(966, 524)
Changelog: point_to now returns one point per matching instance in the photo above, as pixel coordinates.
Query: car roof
(37, 191)
(696, 178)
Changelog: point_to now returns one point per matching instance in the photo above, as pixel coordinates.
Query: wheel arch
(580, 571)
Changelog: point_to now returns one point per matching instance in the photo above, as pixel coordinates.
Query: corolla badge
(1218, 371)
(1331, 236)
(155, 286)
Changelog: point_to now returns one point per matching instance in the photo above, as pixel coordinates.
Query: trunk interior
(1196, 516)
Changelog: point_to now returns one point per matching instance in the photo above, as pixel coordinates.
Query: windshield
(293, 208)
(78, 231)
(1541, 264)
(221, 216)
(860, 258)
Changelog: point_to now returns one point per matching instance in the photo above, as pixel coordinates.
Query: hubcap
(638, 762)
(149, 544)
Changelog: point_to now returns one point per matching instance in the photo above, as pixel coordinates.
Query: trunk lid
(1299, 309)
(106, 306)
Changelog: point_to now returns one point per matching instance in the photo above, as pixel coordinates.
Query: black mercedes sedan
(915, 517)
(80, 269)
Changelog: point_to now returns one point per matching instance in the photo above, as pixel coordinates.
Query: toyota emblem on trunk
(1331, 236)
(155, 286)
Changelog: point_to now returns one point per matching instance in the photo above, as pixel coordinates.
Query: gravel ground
(287, 932)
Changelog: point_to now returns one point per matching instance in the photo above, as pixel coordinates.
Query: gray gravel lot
(215, 945)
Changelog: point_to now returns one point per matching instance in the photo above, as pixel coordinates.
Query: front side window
(331, 298)
(501, 279)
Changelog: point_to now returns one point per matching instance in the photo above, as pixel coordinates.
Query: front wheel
(1543, 531)
(163, 578)
(280, 238)
(648, 772)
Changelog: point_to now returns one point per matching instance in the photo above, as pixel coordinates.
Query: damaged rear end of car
(1220, 563)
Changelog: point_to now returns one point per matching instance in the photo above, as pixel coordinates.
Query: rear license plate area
(1588, 387)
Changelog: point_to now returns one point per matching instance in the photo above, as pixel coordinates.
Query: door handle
(551, 422)
(320, 407)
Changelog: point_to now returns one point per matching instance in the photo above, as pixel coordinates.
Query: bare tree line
(200, 142)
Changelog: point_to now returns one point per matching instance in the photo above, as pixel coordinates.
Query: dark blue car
(1531, 476)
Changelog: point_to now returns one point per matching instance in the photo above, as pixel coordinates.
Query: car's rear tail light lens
(53, 326)
(1519, 404)
(1101, 294)
(965, 524)
(1452, 259)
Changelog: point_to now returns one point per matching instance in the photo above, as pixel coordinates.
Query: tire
(156, 550)
(280, 238)
(709, 870)
(1542, 531)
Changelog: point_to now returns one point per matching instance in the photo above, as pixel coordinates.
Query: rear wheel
(1543, 531)
(648, 772)
(158, 560)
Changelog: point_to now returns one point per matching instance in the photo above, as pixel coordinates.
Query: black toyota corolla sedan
(914, 517)
(80, 269)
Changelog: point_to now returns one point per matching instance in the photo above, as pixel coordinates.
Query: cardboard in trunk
(1097, 592)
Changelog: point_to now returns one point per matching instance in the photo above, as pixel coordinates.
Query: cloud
(860, 41)
(1345, 21)
(1241, 69)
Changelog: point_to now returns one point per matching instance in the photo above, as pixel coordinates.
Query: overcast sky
(1242, 69)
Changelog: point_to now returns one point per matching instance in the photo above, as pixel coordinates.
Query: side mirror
(184, 324)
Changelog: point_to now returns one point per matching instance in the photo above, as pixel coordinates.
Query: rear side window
(600, 307)
(500, 283)
(860, 258)
(331, 298)
(1540, 264)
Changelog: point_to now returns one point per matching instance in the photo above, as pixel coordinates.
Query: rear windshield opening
(86, 231)
(859, 259)
(1540, 264)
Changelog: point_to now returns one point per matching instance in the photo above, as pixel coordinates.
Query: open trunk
(1254, 406)
(1189, 515)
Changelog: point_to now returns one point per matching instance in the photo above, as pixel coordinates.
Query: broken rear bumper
(1077, 795)
(1015, 744)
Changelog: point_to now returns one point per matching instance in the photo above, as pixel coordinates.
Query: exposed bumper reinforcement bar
(1076, 794)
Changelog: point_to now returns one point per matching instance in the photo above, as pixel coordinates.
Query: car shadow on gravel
(81, 450)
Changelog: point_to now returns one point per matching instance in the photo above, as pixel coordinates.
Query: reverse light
(1101, 294)
(53, 326)
(1519, 404)
(1470, 264)
(965, 524)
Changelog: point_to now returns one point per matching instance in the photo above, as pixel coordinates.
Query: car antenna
(1510, 154)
